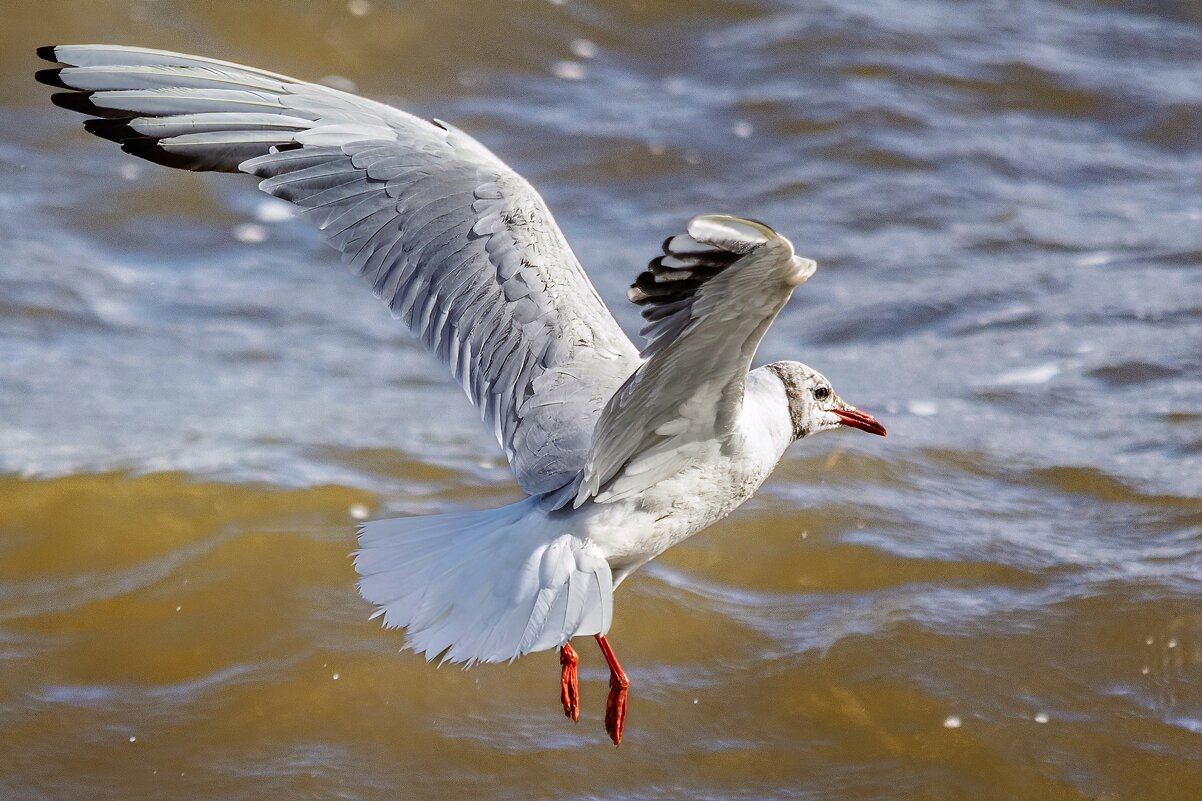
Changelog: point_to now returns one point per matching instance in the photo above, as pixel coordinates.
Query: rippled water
(1001, 600)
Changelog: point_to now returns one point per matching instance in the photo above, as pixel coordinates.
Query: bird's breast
(714, 483)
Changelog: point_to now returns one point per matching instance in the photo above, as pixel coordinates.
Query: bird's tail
(484, 586)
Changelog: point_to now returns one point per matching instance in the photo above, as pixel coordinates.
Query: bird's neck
(766, 420)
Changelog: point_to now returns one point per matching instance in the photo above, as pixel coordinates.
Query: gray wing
(459, 246)
(707, 301)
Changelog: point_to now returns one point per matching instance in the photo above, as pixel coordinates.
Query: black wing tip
(146, 147)
(151, 149)
(51, 77)
(75, 101)
(114, 130)
(82, 102)
(693, 250)
(664, 289)
(650, 288)
(47, 52)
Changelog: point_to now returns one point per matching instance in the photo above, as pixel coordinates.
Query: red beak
(858, 419)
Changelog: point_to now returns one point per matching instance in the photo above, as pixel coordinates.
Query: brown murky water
(1003, 600)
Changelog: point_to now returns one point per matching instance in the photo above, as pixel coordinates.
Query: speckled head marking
(813, 404)
(798, 381)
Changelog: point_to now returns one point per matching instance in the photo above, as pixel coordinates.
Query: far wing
(707, 301)
(458, 245)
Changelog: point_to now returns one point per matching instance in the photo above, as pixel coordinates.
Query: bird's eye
(822, 393)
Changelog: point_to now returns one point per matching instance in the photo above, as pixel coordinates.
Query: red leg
(569, 686)
(615, 705)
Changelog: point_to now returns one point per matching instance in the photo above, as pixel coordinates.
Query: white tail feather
(484, 586)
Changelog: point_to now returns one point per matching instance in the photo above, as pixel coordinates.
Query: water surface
(1001, 600)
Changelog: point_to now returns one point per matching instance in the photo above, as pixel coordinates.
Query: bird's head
(814, 405)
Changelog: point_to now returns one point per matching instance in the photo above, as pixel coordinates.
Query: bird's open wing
(458, 245)
(707, 301)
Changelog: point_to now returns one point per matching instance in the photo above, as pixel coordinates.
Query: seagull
(622, 452)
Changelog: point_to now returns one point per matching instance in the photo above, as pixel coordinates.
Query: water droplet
(568, 70)
(337, 676)
(1095, 259)
(359, 511)
(743, 129)
(583, 48)
(178, 608)
(1149, 641)
(1039, 374)
(133, 739)
(339, 82)
(696, 701)
(951, 722)
(273, 210)
(1172, 643)
(1041, 717)
(922, 408)
(1145, 670)
(251, 233)
(358, 8)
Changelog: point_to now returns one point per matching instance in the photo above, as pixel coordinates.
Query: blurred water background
(1003, 600)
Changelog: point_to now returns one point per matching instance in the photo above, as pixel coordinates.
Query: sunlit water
(1001, 600)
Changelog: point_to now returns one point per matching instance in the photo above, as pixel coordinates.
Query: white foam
(1039, 374)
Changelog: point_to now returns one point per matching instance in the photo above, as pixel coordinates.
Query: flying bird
(622, 452)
